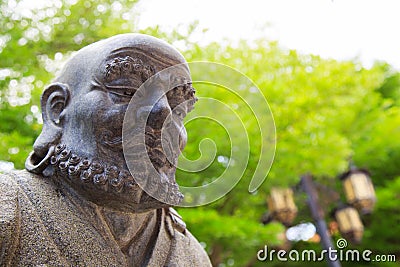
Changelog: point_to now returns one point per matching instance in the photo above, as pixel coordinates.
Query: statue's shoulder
(10, 187)
(10, 215)
(9, 191)
(188, 251)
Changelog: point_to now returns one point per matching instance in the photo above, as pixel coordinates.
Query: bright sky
(340, 29)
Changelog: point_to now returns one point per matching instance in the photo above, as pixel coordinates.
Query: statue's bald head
(83, 112)
(125, 60)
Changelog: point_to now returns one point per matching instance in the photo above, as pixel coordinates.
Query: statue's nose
(156, 114)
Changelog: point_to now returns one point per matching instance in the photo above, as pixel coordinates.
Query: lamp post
(360, 197)
(318, 215)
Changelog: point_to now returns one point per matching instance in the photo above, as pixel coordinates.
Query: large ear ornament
(54, 100)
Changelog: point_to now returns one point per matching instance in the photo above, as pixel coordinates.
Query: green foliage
(317, 104)
(326, 112)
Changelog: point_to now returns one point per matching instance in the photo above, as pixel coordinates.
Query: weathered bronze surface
(79, 205)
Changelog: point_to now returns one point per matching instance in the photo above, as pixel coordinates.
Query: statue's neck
(135, 233)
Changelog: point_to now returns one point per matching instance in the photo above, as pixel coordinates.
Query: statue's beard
(153, 162)
(109, 185)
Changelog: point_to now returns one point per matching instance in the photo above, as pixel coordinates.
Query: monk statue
(89, 196)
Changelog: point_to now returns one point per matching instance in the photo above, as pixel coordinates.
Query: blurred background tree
(326, 113)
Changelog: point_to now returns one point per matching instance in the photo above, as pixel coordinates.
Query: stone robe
(42, 223)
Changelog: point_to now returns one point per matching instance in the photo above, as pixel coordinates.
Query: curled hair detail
(123, 66)
(76, 168)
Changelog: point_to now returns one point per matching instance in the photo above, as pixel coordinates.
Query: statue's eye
(118, 98)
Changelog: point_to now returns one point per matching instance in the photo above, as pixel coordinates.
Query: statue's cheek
(107, 119)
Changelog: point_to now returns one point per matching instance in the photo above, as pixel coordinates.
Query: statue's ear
(54, 100)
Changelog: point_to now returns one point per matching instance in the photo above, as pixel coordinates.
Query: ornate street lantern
(350, 224)
(359, 190)
(281, 205)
